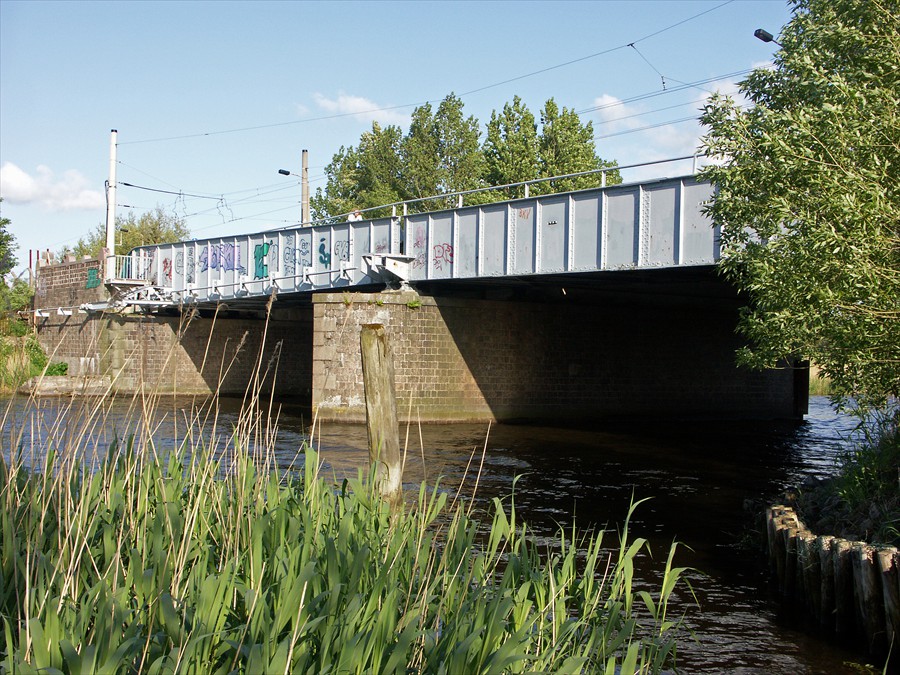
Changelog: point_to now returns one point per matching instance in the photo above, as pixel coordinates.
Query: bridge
(649, 225)
(558, 307)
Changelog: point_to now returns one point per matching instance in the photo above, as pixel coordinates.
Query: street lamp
(285, 172)
(765, 36)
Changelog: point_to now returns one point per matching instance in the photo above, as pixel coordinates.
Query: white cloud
(67, 192)
(361, 108)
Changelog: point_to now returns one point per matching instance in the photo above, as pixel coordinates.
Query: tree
(362, 177)
(808, 197)
(442, 152)
(567, 146)
(511, 146)
(17, 294)
(8, 246)
(153, 227)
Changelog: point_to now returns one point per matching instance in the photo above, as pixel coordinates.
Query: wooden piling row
(851, 588)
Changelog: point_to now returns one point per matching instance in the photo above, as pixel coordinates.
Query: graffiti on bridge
(443, 254)
(93, 278)
(260, 260)
(221, 257)
(301, 256)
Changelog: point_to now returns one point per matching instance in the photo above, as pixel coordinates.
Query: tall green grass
(189, 560)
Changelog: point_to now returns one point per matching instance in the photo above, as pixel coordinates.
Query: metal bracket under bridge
(651, 224)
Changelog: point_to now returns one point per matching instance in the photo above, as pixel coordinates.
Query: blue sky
(210, 99)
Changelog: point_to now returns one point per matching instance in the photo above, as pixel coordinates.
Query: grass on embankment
(168, 560)
(862, 500)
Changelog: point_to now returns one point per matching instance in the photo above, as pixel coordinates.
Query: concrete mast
(304, 189)
(111, 209)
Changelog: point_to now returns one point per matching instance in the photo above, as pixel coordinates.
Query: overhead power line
(421, 103)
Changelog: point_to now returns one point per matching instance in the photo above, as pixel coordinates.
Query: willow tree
(808, 196)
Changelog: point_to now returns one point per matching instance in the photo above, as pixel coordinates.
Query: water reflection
(700, 478)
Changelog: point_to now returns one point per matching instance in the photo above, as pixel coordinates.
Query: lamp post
(304, 187)
(765, 36)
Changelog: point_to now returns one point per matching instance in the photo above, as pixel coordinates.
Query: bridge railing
(458, 198)
(133, 267)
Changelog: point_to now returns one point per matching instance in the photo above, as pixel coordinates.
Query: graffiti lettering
(167, 268)
(381, 246)
(222, 257)
(324, 255)
(342, 250)
(297, 257)
(93, 279)
(419, 248)
(443, 253)
(189, 268)
(261, 268)
(525, 214)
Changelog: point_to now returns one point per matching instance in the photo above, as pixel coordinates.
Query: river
(703, 482)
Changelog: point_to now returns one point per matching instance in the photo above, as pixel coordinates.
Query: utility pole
(111, 209)
(304, 189)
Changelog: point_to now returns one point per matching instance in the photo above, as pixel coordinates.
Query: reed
(205, 557)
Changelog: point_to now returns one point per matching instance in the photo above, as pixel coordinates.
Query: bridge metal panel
(623, 228)
(554, 230)
(417, 244)
(700, 240)
(493, 236)
(523, 220)
(662, 233)
(440, 250)
(586, 233)
(465, 254)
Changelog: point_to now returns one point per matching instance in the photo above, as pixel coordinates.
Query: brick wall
(69, 284)
(168, 354)
(197, 355)
(466, 359)
(74, 338)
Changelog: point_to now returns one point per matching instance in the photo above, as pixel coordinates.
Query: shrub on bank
(189, 562)
(21, 356)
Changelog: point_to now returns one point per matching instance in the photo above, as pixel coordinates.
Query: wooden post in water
(381, 411)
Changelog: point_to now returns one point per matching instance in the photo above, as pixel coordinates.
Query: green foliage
(511, 147)
(193, 562)
(567, 146)
(58, 368)
(862, 500)
(16, 296)
(809, 197)
(363, 177)
(16, 328)
(442, 154)
(153, 227)
(8, 246)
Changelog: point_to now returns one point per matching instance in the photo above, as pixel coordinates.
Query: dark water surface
(704, 482)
